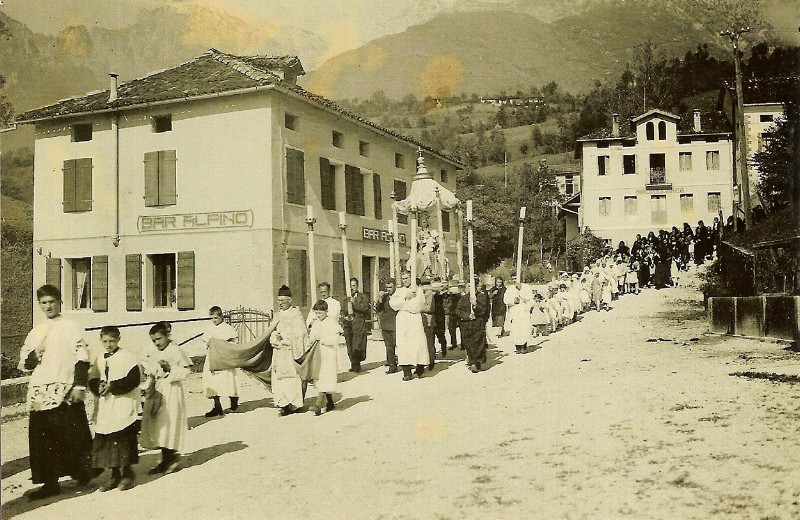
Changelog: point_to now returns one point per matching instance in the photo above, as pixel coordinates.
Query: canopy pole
(519, 244)
(413, 257)
(348, 291)
(442, 257)
(470, 252)
(312, 272)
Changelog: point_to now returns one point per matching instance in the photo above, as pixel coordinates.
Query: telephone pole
(744, 175)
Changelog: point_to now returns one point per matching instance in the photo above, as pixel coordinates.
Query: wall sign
(195, 221)
(380, 235)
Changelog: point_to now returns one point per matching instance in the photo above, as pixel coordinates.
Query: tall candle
(309, 213)
(522, 213)
(469, 209)
(342, 221)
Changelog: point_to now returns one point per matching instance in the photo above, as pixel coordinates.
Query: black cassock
(473, 326)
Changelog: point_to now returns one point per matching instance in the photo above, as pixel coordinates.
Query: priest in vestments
(289, 343)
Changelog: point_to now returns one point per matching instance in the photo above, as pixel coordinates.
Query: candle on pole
(390, 234)
(397, 269)
(413, 257)
(459, 243)
(442, 258)
(312, 273)
(519, 244)
(346, 258)
(470, 251)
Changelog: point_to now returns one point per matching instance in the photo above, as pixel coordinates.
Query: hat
(285, 291)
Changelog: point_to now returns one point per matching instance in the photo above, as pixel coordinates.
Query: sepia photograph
(400, 259)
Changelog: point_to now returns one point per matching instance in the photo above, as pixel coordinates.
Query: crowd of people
(140, 401)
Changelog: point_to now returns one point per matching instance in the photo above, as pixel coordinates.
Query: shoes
(286, 410)
(234, 403)
(160, 468)
(474, 369)
(444, 353)
(430, 367)
(392, 370)
(172, 467)
(109, 484)
(329, 403)
(215, 412)
(127, 480)
(48, 490)
(408, 377)
(317, 411)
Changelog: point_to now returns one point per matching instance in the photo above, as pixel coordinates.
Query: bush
(584, 250)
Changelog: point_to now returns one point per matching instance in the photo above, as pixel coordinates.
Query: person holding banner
(288, 341)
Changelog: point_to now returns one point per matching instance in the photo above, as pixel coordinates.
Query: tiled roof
(711, 122)
(213, 72)
(653, 112)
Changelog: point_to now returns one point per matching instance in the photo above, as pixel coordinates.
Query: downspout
(115, 132)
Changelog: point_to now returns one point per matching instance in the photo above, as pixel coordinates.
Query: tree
(778, 164)
(6, 110)
(538, 192)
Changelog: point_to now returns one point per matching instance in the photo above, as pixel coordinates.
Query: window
(298, 276)
(399, 161)
(602, 164)
(337, 139)
(290, 121)
(764, 139)
(712, 160)
(81, 282)
(628, 164)
(603, 144)
(327, 182)
(631, 203)
(687, 203)
(714, 202)
(164, 280)
(685, 161)
(658, 209)
(569, 185)
(295, 177)
(446, 221)
(377, 196)
(605, 206)
(766, 118)
(354, 190)
(363, 148)
(650, 131)
(662, 131)
(81, 132)
(400, 194)
(77, 185)
(444, 176)
(162, 124)
(160, 178)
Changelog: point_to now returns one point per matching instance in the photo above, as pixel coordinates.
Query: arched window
(650, 131)
(662, 131)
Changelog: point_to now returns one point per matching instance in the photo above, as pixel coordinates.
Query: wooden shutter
(338, 282)
(400, 194)
(349, 182)
(100, 283)
(151, 179)
(186, 280)
(167, 178)
(52, 274)
(133, 282)
(295, 177)
(354, 190)
(69, 186)
(377, 196)
(83, 184)
(327, 181)
(298, 276)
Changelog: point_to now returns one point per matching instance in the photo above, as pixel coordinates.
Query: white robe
(412, 345)
(168, 428)
(114, 413)
(287, 388)
(221, 382)
(328, 332)
(519, 313)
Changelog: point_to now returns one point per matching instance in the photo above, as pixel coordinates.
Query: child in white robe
(606, 293)
(518, 298)
(327, 332)
(164, 419)
(539, 317)
(219, 382)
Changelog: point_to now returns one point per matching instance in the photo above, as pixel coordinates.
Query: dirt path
(597, 423)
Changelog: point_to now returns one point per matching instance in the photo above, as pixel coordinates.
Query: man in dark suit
(355, 334)
(387, 318)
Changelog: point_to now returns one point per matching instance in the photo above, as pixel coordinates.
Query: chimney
(615, 124)
(697, 126)
(113, 95)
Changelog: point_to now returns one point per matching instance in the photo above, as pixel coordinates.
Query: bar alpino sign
(380, 235)
(195, 221)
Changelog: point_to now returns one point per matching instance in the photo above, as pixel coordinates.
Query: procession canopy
(424, 193)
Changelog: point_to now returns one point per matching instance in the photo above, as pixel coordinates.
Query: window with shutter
(298, 276)
(78, 291)
(400, 194)
(52, 275)
(100, 283)
(295, 177)
(160, 178)
(151, 179)
(354, 190)
(327, 182)
(133, 282)
(162, 280)
(377, 196)
(83, 185)
(69, 186)
(186, 276)
(338, 289)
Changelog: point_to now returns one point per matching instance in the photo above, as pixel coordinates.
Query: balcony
(658, 180)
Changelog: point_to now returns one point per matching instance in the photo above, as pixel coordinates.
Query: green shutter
(69, 186)
(83, 184)
(298, 276)
(354, 190)
(377, 196)
(186, 280)
(52, 275)
(100, 283)
(338, 289)
(151, 179)
(327, 181)
(167, 178)
(133, 282)
(295, 177)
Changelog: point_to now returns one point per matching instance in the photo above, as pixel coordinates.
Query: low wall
(775, 317)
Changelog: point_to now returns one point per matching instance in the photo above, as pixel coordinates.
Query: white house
(189, 187)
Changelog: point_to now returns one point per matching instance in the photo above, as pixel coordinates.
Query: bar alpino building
(189, 187)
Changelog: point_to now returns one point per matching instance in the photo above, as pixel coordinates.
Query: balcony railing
(658, 179)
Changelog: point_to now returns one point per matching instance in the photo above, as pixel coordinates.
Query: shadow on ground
(245, 407)
(71, 489)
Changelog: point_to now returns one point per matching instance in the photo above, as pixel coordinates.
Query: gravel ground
(632, 413)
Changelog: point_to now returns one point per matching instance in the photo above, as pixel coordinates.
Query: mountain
(490, 51)
(41, 69)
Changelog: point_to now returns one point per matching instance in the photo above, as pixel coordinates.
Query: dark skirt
(473, 338)
(60, 443)
(116, 450)
(662, 274)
